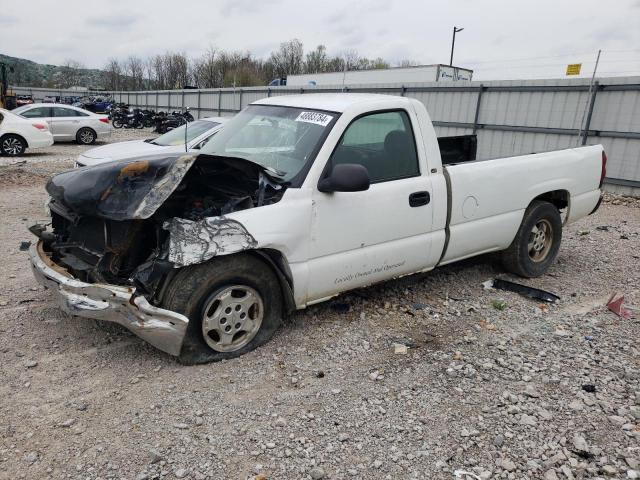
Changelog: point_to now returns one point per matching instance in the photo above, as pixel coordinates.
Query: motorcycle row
(123, 116)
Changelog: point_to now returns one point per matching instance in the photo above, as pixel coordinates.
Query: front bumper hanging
(161, 328)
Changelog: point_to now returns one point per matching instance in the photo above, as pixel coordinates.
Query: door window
(63, 112)
(383, 143)
(37, 112)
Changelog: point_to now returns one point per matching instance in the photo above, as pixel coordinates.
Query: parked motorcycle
(133, 118)
(164, 123)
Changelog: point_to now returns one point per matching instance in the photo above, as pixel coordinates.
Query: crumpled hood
(131, 189)
(120, 190)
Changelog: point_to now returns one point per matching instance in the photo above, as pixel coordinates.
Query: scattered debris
(583, 232)
(488, 285)
(499, 304)
(24, 246)
(524, 290)
(464, 475)
(603, 228)
(419, 306)
(319, 374)
(589, 388)
(400, 349)
(616, 306)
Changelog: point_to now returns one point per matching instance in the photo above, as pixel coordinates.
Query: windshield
(283, 139)
(21, 109)
(176, 136)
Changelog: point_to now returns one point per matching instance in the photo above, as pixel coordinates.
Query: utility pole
(453, 42)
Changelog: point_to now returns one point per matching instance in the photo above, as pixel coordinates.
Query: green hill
(32, 74)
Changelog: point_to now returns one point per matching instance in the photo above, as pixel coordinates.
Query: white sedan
(68, 123)
(17, 134)
(197, 132)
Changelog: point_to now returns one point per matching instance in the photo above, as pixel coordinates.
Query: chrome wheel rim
(86, 136)
(232, 317)
(540, 240)
(12, 146)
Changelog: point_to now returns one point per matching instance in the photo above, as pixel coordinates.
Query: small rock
(317, 473)
(181, 426)
(154, 456)
(550, 475)
(531, 391)
(67, 423)
(343, 437)
(31, 457)
(508, 465)
(580, 444)
(30, 363)
(528, 420)
(498, 441)
(199, 421)
(280, 422)
(610, 470)
(181, 473)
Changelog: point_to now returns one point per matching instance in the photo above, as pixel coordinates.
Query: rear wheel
(12, 145)
(537, 242)
(234, 305)
(86, 136)
(117, 123)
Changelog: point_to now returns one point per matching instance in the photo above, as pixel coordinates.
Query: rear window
(37, 112)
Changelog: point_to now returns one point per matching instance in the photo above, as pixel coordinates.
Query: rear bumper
(595, 209)
(161, 328)
(41, 141)
(104, 133)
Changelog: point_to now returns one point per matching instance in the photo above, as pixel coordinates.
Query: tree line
(220, 68)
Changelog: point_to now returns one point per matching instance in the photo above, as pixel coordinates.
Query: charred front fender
(121, 190)
(193, 242)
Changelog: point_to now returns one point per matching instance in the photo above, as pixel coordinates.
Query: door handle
(418, 199)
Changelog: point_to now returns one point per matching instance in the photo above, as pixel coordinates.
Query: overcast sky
(501, 39)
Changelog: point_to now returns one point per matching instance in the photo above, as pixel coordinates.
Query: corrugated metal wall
(509, 117)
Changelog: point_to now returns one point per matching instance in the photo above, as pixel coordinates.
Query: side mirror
(346, 177)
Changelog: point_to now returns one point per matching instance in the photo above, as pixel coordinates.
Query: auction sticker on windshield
(315, 117)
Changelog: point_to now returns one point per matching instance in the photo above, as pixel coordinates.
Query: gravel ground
(522, 391)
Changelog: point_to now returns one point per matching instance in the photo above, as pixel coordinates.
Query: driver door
(359, 238)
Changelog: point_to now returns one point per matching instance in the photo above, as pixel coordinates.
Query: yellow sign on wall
(574, 68)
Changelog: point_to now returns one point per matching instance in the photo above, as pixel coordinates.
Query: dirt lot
(527, 392)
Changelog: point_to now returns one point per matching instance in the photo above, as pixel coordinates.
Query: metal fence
(509, 117)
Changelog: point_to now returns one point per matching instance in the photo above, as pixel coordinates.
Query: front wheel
(537, 242)
(117, 123)
(234, 305)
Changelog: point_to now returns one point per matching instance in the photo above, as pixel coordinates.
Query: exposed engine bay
(112, 223)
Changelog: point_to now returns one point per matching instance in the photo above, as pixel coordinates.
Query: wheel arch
(86, 127)
(558, 198)
(278, 263)
(16, 134)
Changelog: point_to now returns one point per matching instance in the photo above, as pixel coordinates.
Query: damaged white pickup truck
(297, 199)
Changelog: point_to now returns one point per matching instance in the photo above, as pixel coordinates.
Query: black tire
(194, 287)
(12, 145)
(117, 123)
(86, 136)
(537, 242)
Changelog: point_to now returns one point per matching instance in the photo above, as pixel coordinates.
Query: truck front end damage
(119, 231)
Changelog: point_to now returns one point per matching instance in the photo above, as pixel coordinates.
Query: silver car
(68, 123)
